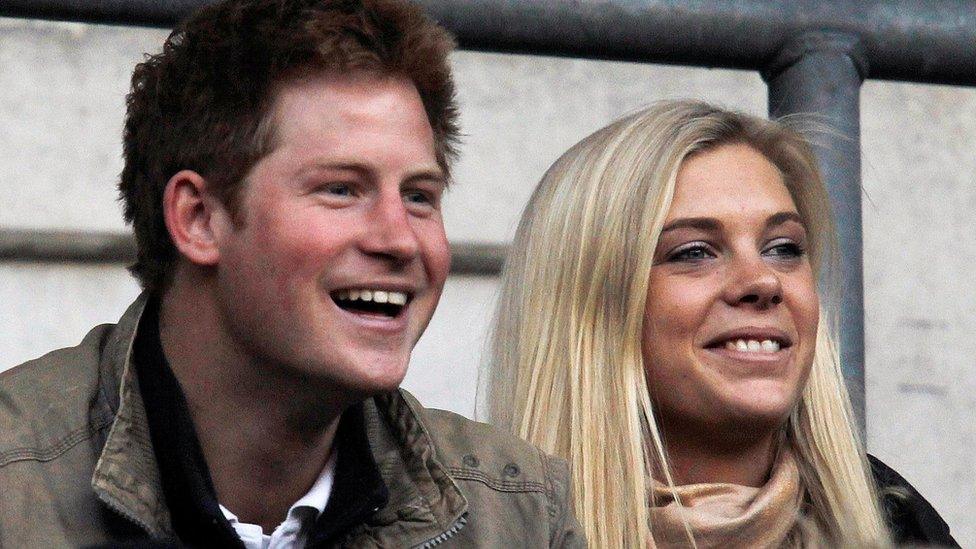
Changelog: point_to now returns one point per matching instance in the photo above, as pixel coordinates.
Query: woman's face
(730, 322)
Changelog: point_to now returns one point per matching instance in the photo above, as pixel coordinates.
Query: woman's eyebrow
(712, 224)
(783, 217)
(702, 223)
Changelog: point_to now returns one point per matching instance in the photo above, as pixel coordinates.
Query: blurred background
(62, 88)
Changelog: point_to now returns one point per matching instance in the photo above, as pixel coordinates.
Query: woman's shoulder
(911, 518)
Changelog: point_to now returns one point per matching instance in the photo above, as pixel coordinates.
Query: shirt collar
(318, 495)
(302, 513)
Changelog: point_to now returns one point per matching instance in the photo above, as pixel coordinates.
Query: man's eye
(419, 198)
(691, 252)
(338, 189)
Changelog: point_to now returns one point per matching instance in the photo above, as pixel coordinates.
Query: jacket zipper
(444, 536)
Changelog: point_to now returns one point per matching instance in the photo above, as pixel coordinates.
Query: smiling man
(285, 164)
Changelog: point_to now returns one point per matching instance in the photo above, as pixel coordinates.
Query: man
(285, 162)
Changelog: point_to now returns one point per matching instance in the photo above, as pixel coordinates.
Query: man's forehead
(353, 121)
(353, 92)
(349, 103)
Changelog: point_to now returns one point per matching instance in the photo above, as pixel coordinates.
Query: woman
(660, 327)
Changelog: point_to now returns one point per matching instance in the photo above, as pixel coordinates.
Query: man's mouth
(371, 302)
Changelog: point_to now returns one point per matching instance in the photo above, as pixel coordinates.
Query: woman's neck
(696, 459)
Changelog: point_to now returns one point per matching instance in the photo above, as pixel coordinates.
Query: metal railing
(813, 54)
(109, 247)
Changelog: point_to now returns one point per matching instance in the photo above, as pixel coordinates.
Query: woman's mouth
(755, 342)
(753, 345)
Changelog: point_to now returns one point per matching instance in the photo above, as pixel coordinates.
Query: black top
(912, 520)
(358, 489)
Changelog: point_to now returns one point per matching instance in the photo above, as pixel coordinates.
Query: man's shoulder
(45, 403)
(493, 468)
(57, 400)
(55, 414)
(472, 450)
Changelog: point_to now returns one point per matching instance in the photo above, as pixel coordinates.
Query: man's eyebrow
(702, 223)
(436, 176)
(423, 173)
(357, 167)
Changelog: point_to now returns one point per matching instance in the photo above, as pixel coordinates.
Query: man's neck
(265, 434)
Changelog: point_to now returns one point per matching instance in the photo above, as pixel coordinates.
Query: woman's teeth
(752, 345)
(376, 296)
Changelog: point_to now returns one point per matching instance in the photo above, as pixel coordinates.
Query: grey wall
(61, 107)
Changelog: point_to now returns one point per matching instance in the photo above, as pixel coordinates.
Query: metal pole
(821, 73)
(914, 40)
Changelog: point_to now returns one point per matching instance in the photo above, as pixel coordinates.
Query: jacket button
(511, 470)
(470, 460)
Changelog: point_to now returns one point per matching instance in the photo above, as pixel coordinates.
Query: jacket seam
(547, 475)
(494, 483)
(552, 508)
(429, 440)
(58, 449)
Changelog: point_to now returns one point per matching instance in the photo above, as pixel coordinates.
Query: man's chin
(376, 377)
(349, 378)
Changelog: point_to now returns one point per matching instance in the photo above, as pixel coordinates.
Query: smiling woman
(660, 326)
(731, 317)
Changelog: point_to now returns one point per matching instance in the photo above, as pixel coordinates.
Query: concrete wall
(61, 107)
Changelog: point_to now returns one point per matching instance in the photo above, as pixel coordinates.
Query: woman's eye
(784, 250)
(692, 252)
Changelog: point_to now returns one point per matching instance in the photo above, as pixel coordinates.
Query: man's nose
(388, 232)
(753, 283)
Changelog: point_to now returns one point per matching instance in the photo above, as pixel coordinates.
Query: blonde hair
(567, 371)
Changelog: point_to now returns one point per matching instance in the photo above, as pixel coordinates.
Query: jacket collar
(423, 499)
(126, 476)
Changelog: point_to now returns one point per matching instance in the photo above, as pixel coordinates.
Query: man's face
(339, 256)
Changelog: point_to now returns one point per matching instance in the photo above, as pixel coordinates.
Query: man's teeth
(752, 345)
(377, 296)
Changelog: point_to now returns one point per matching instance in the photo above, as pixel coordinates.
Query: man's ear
(194, 217)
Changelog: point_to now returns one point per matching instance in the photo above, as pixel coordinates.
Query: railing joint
(818, 41)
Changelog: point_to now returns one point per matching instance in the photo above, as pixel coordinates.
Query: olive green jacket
(74, 443)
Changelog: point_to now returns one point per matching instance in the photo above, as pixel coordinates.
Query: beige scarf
(729, 515)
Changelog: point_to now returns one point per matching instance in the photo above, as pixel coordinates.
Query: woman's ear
(192, 213)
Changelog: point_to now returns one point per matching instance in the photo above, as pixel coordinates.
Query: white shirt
(293, 532)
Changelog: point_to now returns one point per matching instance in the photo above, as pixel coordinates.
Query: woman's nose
(754, 283)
